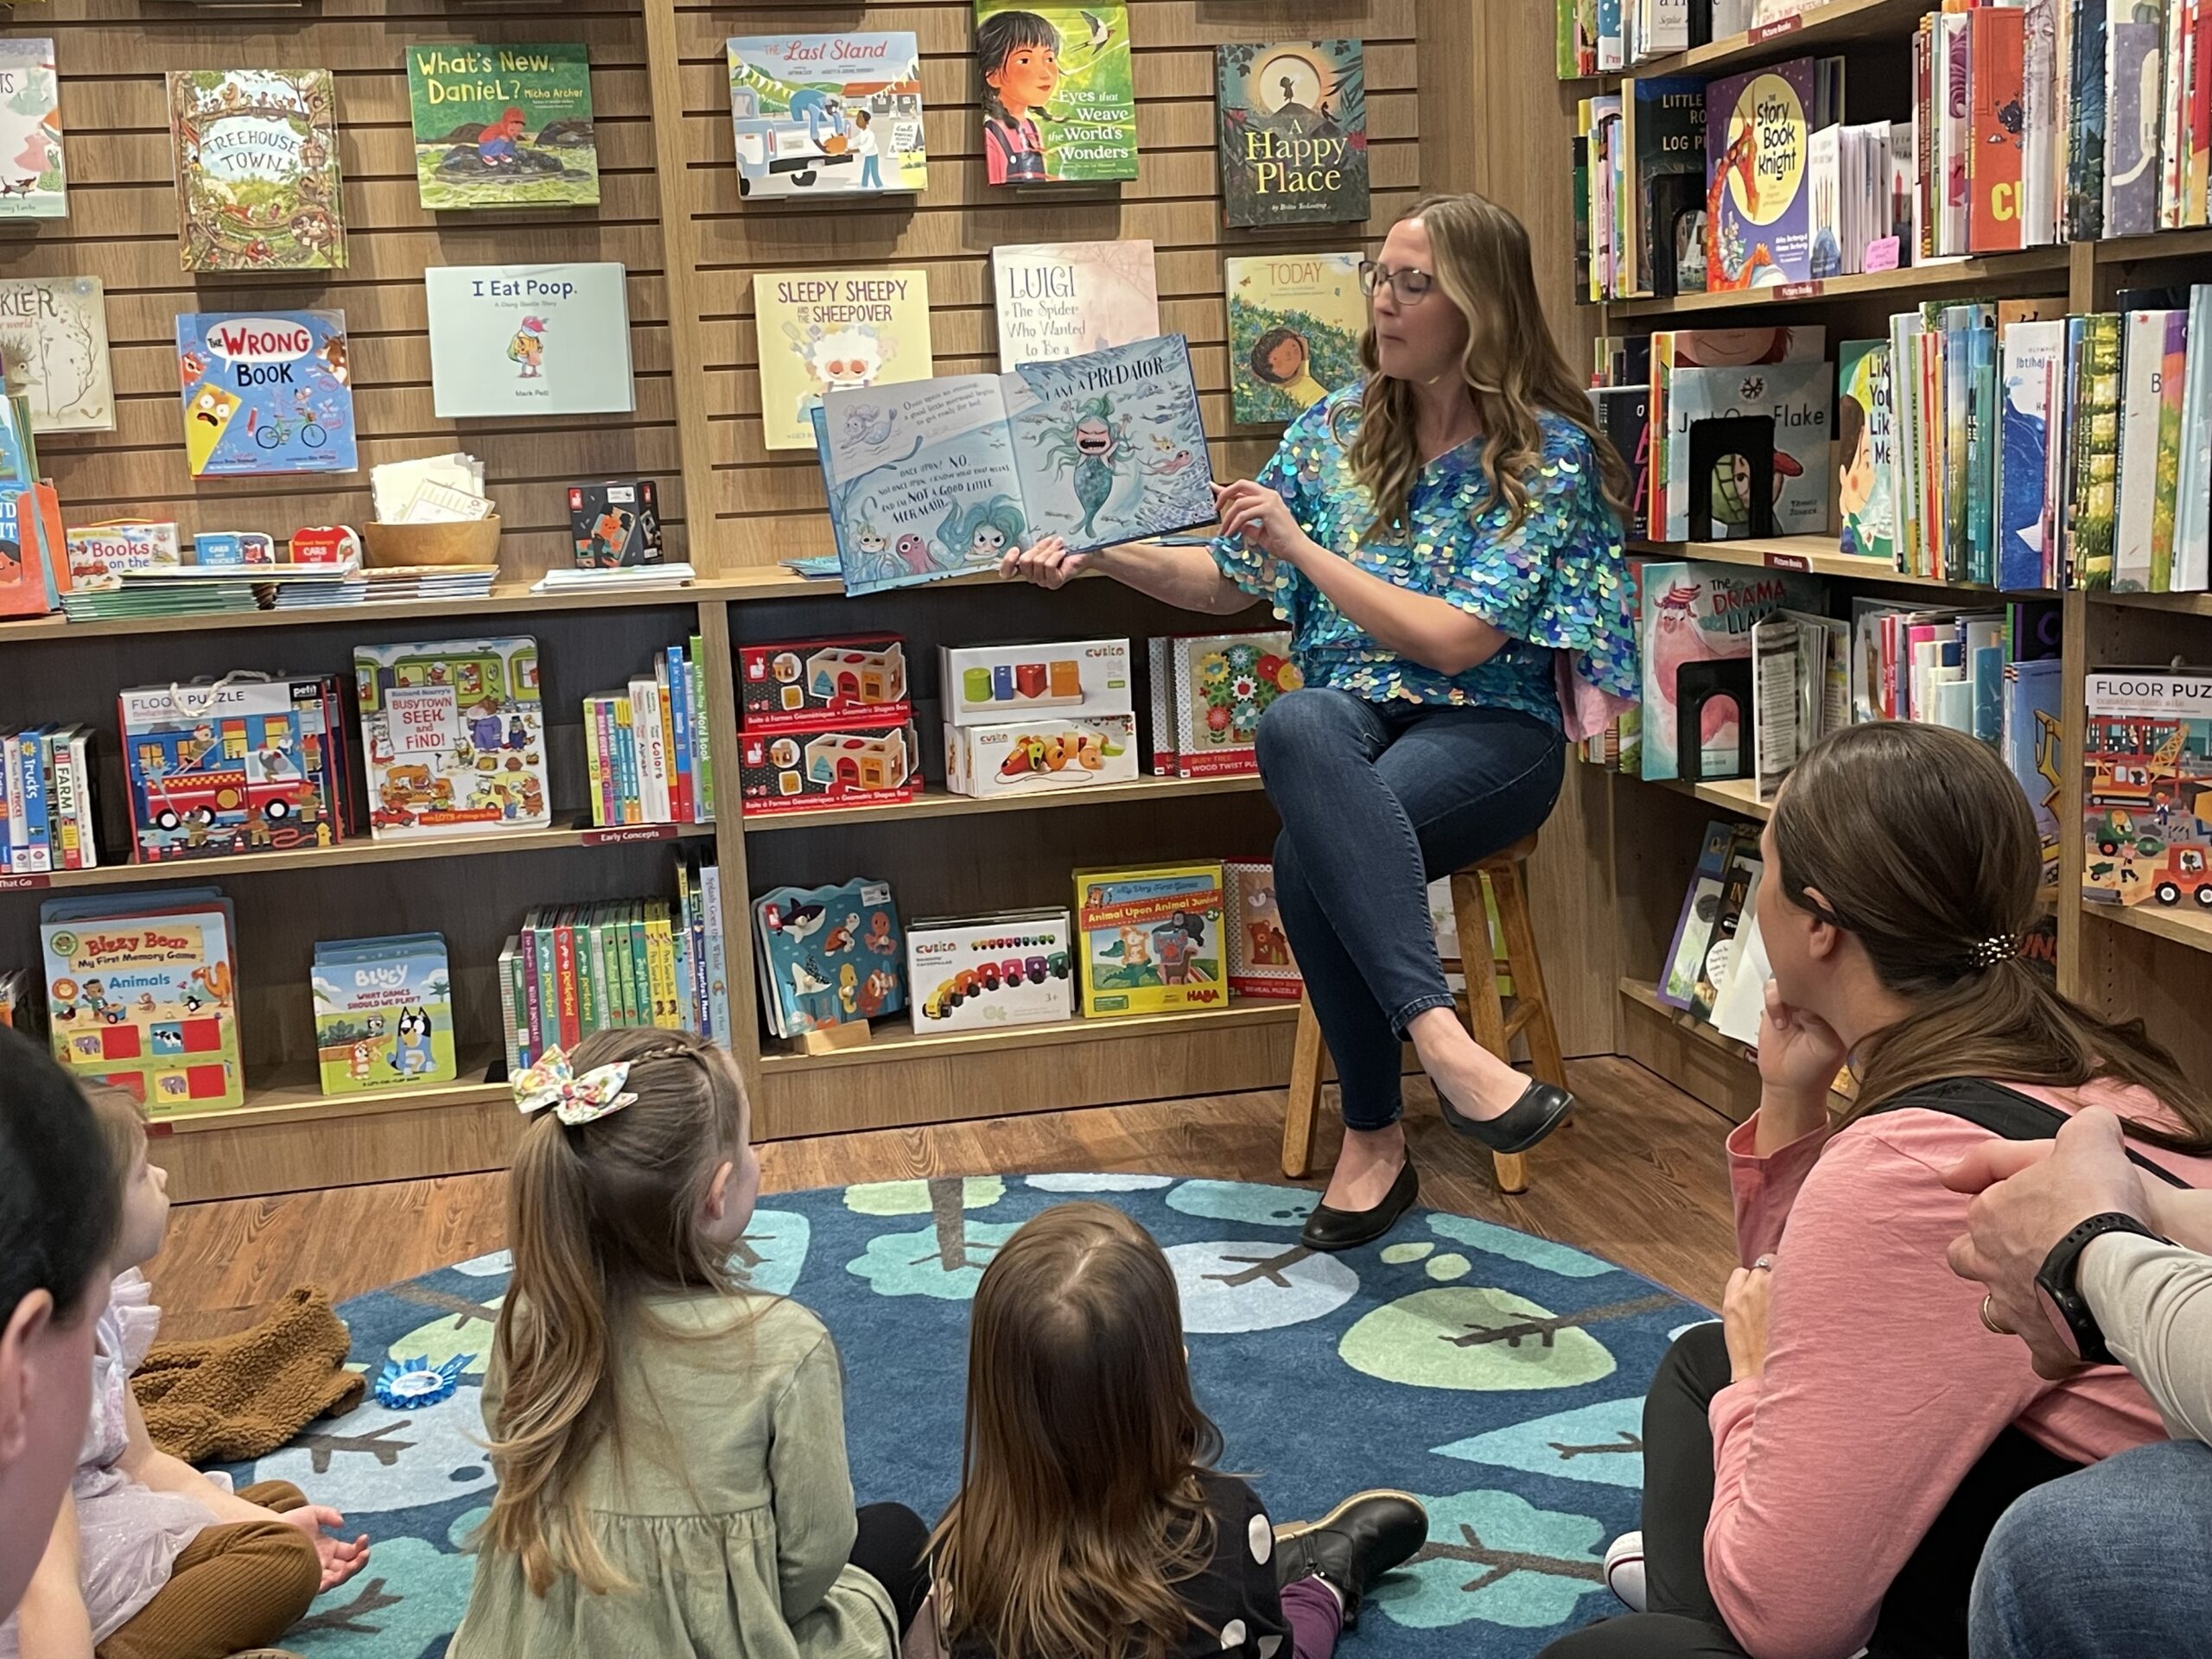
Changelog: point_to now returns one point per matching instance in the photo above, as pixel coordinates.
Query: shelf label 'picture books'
(1062, 299)
(529, 340)
(932, 479)
(32, 182)
(1294, 133)
(1295, 323)
(827, 115)
(819, 329)
(454, 733)
(257, 169)
(264, 394)
(1059, 106)
(503, 126)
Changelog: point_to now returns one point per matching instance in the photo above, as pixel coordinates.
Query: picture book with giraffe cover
(928, 481)
(529, 340)
(1293, 132)
(827, 115)
(454, 735)
(502, 126)
(142, 996)
(822, 328)
(33, 181)
(265, 393)
(257, 169)
(1059, 99)
(382, 1013)
(1295, 323)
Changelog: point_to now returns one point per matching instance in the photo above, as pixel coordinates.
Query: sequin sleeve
(1560, 578)
(1287, 473)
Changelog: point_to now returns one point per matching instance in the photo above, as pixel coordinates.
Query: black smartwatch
(2063, 1304)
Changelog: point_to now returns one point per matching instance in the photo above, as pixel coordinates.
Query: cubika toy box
(1150, 939)
(990, 685)
(1208, 693)
(1041, 755)
(1013, 968)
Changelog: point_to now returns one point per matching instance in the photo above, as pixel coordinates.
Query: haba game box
(143, 996)
(1149, 939)
(382, 1013)
(454, 735)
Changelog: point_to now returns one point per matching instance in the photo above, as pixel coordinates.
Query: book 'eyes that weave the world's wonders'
(1293, 132)
(33, 183)
(503, 126)
(1294, 322)
(827, 115)
(257, 169)
(1059, 105)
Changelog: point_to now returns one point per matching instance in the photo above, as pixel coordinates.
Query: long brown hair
(1079, 1507)
(601, 1214)
(1511, 364)
(1918, 842)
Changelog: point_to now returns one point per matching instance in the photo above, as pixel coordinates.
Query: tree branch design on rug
(322, 1446)
(1497, 1563)
(1627, 1443)
(348, 1618)
(1548, 1328)
(1271, 1268)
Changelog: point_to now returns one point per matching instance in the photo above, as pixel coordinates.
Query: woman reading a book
(1822, 1469)
(1445, 540)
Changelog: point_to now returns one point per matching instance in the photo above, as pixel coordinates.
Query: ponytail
(1916, 841)
(601, 1213)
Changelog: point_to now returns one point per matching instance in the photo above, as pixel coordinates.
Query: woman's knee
(1696, 1362)
(1309, 722)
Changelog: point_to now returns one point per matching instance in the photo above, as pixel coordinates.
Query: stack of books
(386, 585)
(646, 747)
(1596, 37)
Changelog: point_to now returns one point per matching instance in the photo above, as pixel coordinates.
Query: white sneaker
(1625, 1570)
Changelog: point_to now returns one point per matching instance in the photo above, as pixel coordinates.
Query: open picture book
(935, 478)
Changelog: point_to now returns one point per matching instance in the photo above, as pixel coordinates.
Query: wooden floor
(1639, 1177)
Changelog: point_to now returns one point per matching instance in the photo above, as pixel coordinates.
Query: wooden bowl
(476, 541)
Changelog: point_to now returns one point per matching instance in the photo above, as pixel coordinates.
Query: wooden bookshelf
(1812, 555)
(2190, 928)
(935, 803)
(1817, 28)
(893, 1042)
(2174, 604)
(1736, 795)
(1972, 275)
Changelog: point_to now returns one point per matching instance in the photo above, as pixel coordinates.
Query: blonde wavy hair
(1511, 364)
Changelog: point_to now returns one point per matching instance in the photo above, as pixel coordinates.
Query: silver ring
(1989, 1317)
(1764, 1263)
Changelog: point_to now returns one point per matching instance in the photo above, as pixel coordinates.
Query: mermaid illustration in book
(977, 535)
(1094, 447)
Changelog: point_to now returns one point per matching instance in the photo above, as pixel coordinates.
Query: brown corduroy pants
(239, 1584)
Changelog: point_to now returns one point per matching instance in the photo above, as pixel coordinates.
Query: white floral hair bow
(553, 1082)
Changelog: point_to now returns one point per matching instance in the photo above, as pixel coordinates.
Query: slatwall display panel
(768, 504)
(111, 55)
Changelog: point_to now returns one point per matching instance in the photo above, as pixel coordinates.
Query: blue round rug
(1499, 1375)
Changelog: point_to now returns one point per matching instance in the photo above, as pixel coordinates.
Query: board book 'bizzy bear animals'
(382, 1013)
(928, 481)
(502, 126)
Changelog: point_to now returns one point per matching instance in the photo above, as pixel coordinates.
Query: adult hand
(1799, 1052)
(340, 1560)
(1743, 1320)
(1045, 562)
(1262, 518)
(2031, 1197)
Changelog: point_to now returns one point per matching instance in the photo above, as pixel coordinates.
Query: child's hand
(1046, 563)
(340, 1560)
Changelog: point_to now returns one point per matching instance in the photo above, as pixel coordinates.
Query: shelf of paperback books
(939, 804)
(1816, 29)
(890, 1043)
(2192, 928)
(1814, 554)
(1731, 1069)
(1977, 274)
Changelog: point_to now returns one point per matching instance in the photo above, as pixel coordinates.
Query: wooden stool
(1493, 1027)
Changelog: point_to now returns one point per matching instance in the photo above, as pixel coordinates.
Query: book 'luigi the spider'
(936, 477)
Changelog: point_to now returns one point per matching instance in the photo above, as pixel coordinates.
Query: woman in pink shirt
(1821, 1471)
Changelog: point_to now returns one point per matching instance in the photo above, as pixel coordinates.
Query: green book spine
(2096, 449)
(641, 966)
(548, 984)
(602, 1001)
(702, 758)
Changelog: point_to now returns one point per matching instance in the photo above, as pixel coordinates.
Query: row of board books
(1598, 37)
(646, 749)
(1294, 322)
(45, 800)
(2146, 788)
(382, 1013)
(572, 969)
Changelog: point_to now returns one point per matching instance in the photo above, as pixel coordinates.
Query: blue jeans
(1375, 800)
(2114, 1562)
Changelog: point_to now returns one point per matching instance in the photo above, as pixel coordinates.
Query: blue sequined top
(1559, 582)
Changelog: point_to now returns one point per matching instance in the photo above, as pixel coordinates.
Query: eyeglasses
(1409, 287)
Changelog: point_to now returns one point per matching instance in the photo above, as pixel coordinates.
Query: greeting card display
(266, 393)
(529, 340)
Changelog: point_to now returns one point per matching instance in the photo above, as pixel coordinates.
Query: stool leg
(1513, 921)
(1485, 1011)
(1302, 1111)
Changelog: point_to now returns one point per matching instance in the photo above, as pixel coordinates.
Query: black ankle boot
(1329, 1231)
(1520, 1126)
(1353, 1545)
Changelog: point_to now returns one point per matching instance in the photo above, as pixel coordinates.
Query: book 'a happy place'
(265, 393)
(940, 477)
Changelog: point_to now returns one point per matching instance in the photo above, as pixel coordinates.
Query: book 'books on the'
(931, 479)
(34, 182)
(827, 115)
(529, 340)
(825, 328)
(1062, 299)
(502, 126)
(265, 393)
(54, 342)
(1059, 103)
(454, 732)
(257, 169)
(1295, 323)
(1293, 132)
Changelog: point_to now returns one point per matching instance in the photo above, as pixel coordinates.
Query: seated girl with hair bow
(670, 1444)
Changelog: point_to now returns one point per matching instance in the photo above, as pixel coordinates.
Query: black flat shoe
(1329, 1231)
(1521, 1125)
(1353, 1545)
